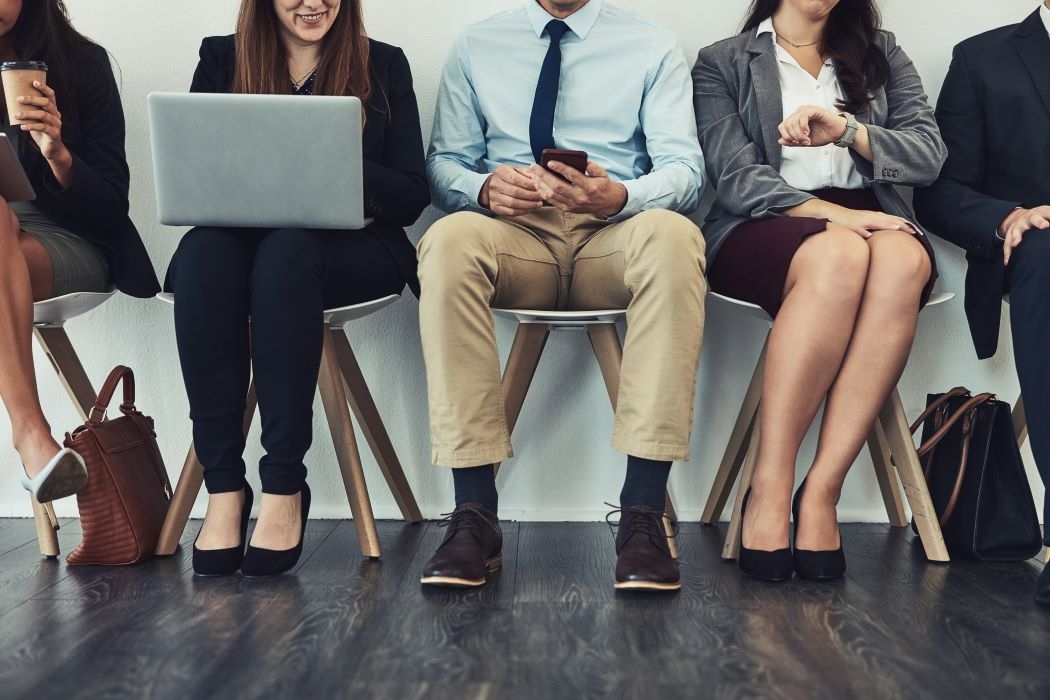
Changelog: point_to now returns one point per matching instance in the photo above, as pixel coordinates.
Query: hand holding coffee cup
(31, 104)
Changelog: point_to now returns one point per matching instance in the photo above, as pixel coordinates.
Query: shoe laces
(649, 523)
(465, 518)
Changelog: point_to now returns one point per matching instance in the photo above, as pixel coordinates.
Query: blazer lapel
(1033, 45)
(765, 76)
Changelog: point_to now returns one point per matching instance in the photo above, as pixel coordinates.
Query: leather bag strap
(105, 396)
(941, 400)
(966, 413)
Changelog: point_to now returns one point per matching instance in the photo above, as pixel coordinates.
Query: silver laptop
(267, 161)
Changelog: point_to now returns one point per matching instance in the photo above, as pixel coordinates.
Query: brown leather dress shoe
(644, 560)
(472, 548)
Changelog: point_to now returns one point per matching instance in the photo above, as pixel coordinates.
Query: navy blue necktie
(541, 125)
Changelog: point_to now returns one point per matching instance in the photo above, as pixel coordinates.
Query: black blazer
(395, 176)
(95, 206)
(993, 112)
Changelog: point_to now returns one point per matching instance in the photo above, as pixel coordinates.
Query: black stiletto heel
(224, 562)
(773, 566)
(822, 565)
(259, 562)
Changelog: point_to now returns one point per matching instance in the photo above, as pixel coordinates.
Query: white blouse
(807, 167)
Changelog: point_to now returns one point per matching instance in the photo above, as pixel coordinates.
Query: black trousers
(1029, 286)
(283, 280)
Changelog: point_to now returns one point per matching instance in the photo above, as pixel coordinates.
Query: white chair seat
(337, 317)
(756, 311)
(563, 318)
(55, 312)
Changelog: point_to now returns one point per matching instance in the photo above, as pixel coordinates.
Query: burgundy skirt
(752, 265)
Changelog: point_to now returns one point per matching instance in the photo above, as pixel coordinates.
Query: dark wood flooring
(548, 626)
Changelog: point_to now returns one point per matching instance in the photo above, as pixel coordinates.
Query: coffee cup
(18, 77)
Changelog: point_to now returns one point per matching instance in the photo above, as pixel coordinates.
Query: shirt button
(827, 151)
(818, 87)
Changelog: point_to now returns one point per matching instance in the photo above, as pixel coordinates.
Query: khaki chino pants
(651, 264)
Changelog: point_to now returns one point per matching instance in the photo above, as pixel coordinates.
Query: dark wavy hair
(849, 39)
(43, 32)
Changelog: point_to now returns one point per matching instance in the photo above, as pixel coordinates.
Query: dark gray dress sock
(477, 485)
(646, 483)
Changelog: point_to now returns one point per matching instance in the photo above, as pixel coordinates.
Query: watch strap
(846, 140)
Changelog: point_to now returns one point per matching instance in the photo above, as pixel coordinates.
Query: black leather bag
(976, 478)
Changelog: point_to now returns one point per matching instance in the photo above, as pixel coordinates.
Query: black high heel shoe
(772, 566)
(259, 562)
(224, 562)
(821, 565)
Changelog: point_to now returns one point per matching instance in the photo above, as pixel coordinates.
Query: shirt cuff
(471, 185)
(636, 201)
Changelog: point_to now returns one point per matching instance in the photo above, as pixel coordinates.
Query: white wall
(565, 468)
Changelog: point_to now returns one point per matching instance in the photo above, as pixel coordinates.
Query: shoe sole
(66, 479)
(491, 565)
(646, 586)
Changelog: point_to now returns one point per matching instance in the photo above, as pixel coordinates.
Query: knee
(205, 256)
(834, 262)
(900, 266)
(286, 260)
(671, 242)
(9, 224)
(452, 247)
(1033, 252)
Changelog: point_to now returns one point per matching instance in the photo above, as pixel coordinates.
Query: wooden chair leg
(371, 423)
(887, 477)
(63, 357)
(46, 527)
(55, 344)
(898, 437)
(731, 547)
(336, 408)
(189, 485)
(1020, 421)
(739, 442)
(529, 341)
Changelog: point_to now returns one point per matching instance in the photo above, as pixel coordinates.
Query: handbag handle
(966, 413)
(941, 400)
(105, 396)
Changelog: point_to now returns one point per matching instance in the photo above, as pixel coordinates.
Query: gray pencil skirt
(78, 265)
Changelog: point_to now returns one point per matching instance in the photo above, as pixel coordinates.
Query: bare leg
(882, 339)
(25, 276)
(806, 347)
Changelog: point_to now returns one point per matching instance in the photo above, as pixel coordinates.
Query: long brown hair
(43, 32)
(262, 67)
(849, 39)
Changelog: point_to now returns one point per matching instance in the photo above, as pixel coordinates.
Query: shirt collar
(580, 22)
(766, 26)
(1044, 12)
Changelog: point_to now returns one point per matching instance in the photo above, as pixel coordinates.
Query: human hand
(45, 121)
(1018, 223)
(812, 126)
(579, 193)
(509, 191)
(864, 223)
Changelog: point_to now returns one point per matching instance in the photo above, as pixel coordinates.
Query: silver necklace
(799, 46)
(297, 84)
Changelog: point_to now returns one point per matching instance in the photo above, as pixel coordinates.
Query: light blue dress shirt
(625, 97)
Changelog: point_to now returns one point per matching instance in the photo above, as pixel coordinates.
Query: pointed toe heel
(261, 563)
(208, 563)
(816, 565)
(775, 566)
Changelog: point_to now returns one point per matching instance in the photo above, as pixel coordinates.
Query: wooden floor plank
(548, 625)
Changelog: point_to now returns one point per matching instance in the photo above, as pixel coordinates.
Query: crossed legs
(843, 334)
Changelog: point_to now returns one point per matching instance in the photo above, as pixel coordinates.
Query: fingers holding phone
(510, 191)
(579, 186)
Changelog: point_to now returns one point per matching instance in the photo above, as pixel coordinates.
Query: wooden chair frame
(889, 443)
(343, 388)
(530, 339)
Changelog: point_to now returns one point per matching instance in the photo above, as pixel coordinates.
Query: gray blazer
(736, 92)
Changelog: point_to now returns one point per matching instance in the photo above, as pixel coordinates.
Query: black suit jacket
(994, 115)
(395, 176)
(95, 205)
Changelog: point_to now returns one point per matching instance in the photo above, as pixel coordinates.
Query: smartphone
(573, 159)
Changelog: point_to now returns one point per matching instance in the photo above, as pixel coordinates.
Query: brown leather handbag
(125, 501)
(976, 478)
